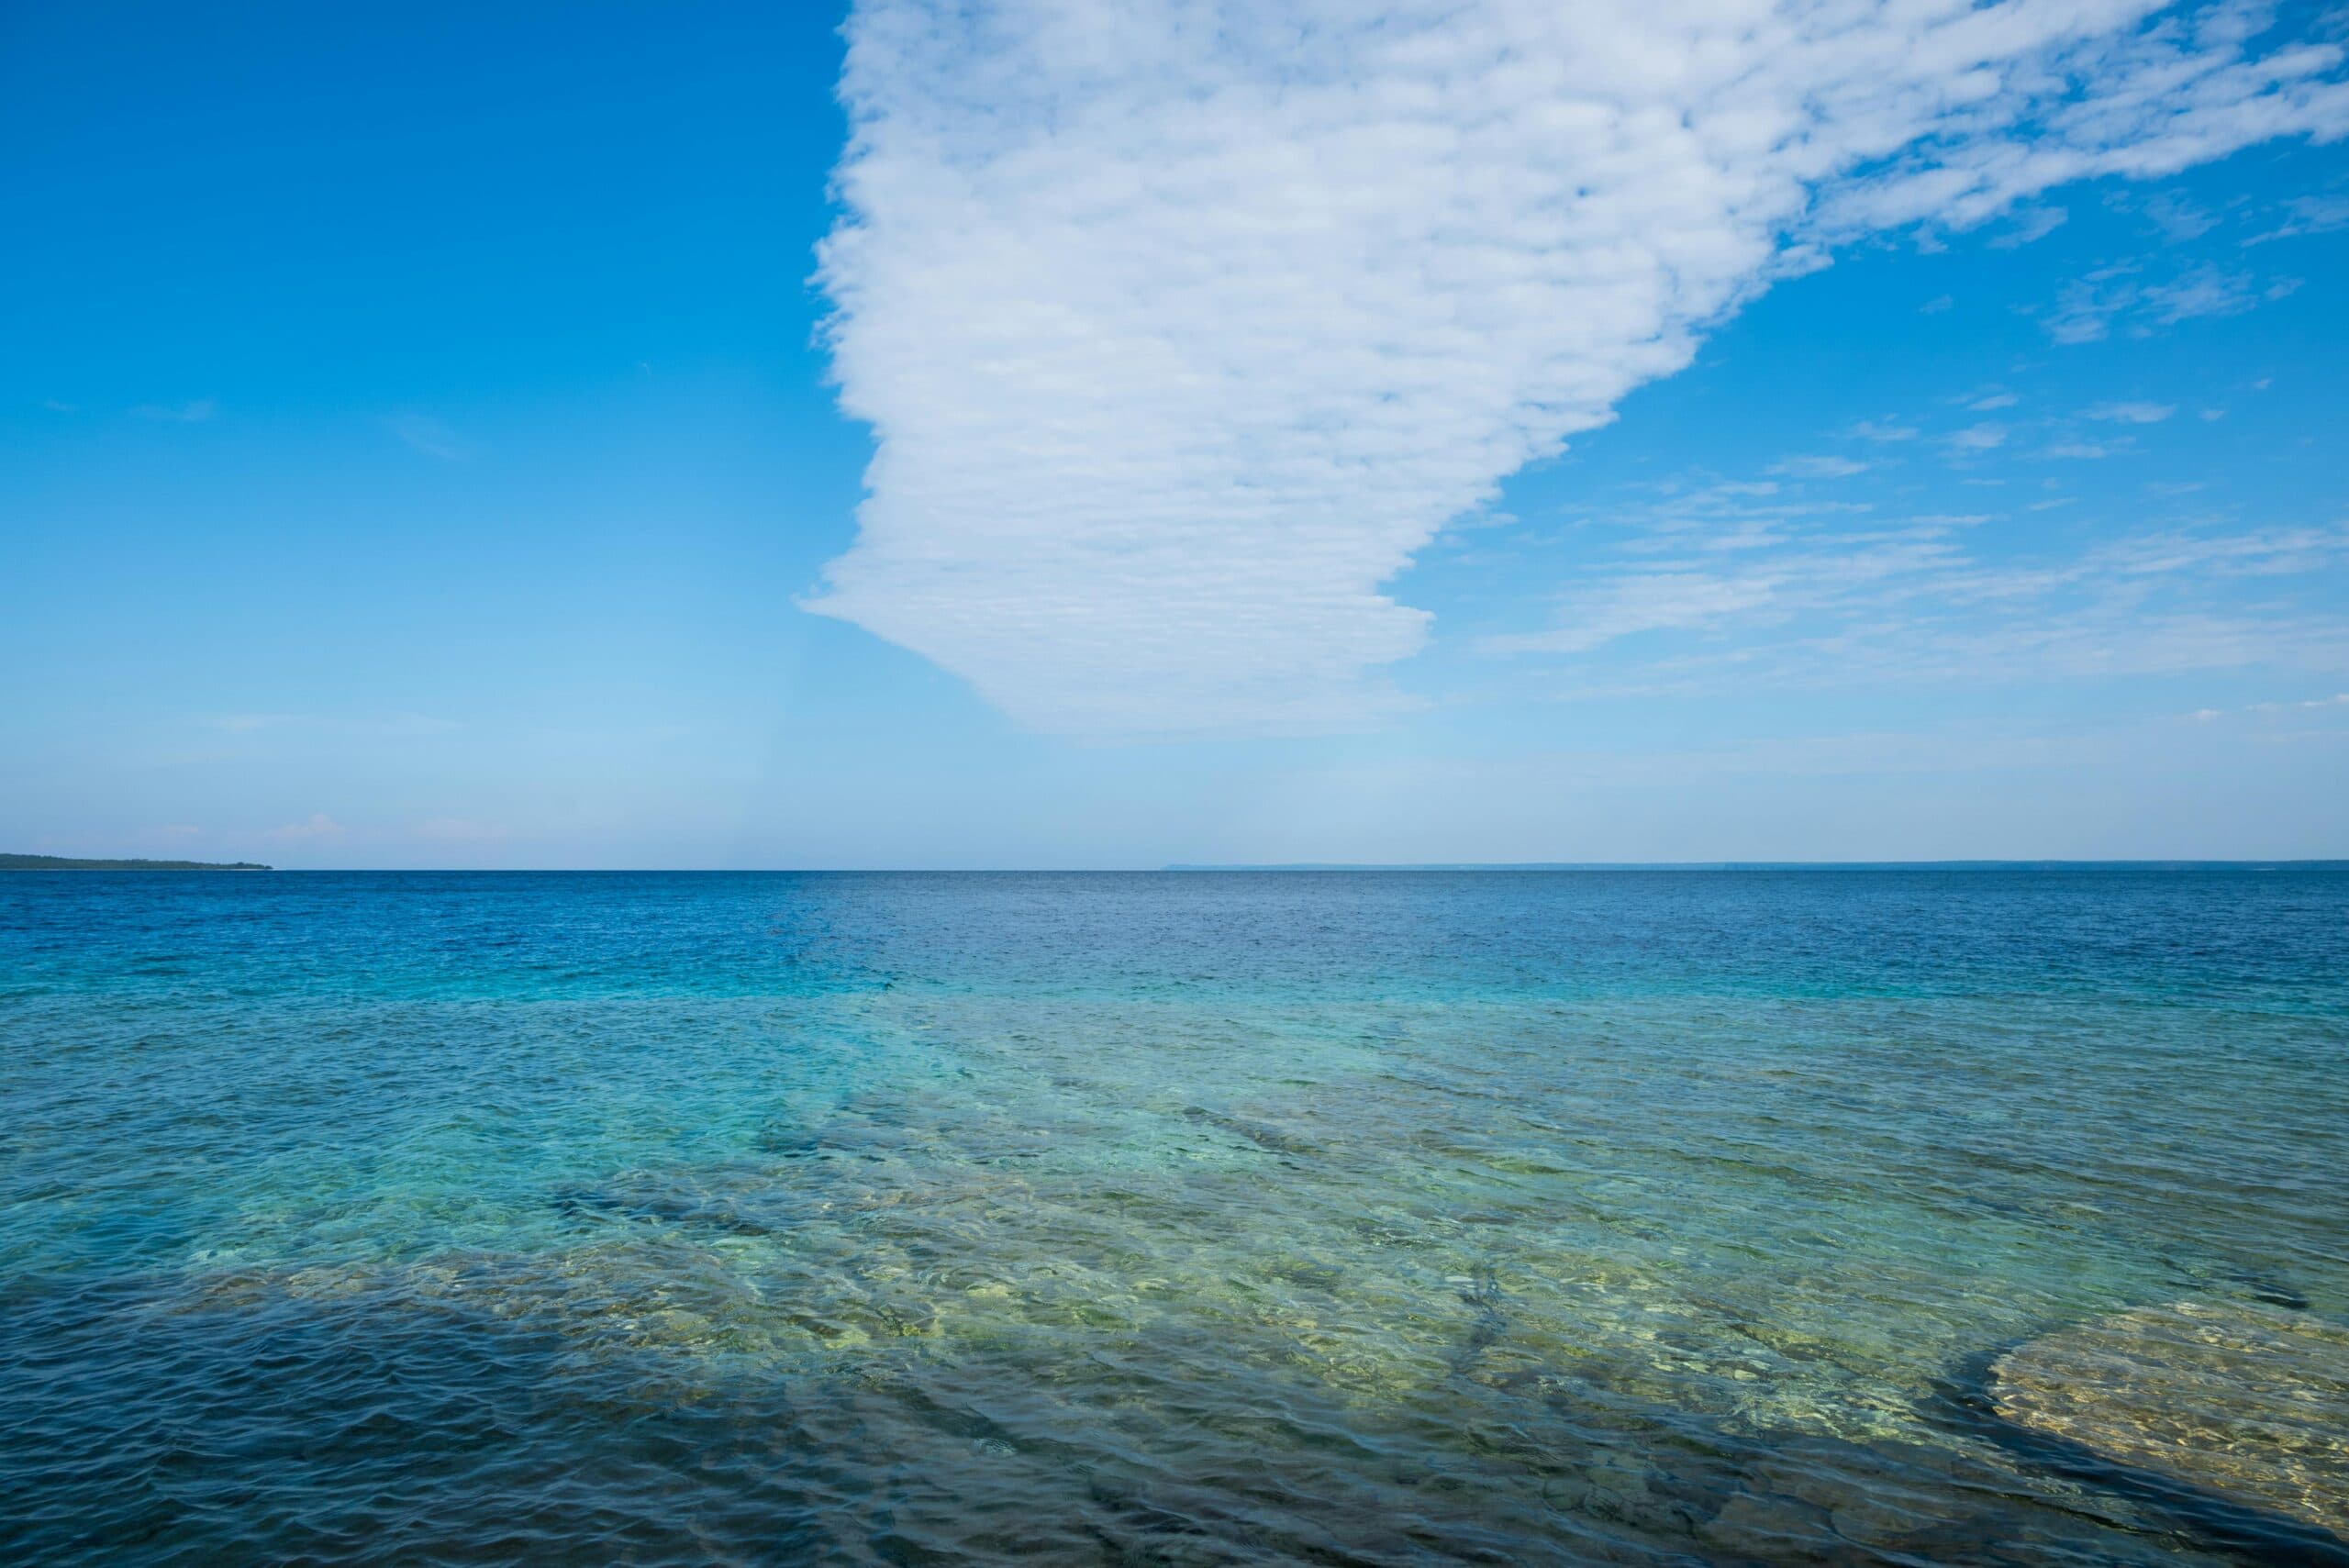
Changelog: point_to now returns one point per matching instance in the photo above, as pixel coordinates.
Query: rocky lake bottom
(1835, 1217)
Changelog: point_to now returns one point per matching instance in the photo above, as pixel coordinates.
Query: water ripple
(1171, 1219)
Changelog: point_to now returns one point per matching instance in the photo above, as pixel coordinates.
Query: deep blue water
(1188, 1218)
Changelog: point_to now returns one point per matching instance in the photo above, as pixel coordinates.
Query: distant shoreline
(64, 862)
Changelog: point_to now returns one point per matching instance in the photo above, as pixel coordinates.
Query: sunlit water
(1183, 1218)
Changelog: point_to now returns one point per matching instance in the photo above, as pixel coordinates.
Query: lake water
(1205, 1218)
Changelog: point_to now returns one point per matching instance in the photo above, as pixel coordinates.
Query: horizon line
(1180, 867)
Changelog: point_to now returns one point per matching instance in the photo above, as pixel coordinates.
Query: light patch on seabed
(2246, 1401)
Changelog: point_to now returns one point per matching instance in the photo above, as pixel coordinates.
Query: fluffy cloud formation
(1182, 324)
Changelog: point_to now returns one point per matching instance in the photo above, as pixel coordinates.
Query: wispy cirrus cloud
(2302, 704)
(1907, 601)
(430, 436)
(192, 413)
(1691, 596)
(2088, 308)
(2175, 218)
(1884, 431)
(2036, 224)
(1813, 466)
(2306, 214)
(1182, 325)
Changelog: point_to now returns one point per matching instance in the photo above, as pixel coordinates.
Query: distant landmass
(62, 863)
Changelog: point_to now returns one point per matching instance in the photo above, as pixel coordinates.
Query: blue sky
(432, 438)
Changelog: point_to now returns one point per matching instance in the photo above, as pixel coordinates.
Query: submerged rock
(2245, 1402)
(1270, 1139)
(686, 1208)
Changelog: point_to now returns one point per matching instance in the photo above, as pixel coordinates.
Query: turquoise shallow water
(1197, 1217)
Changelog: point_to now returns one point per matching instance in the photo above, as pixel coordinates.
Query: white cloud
(1981, 438)
(2086, 310)
(2269, 553)
(2339, 699)
(1859, 647)
(1182, 324)
(2037, 223)
(1884, 431)
(1717, 517)
(1817, 467)
(1691, 596)
(2308, 215)
(2205, 291)
(1907, 601)
(1658, 601)
(1995, 400)
(2131, 413)
(2178, 219)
